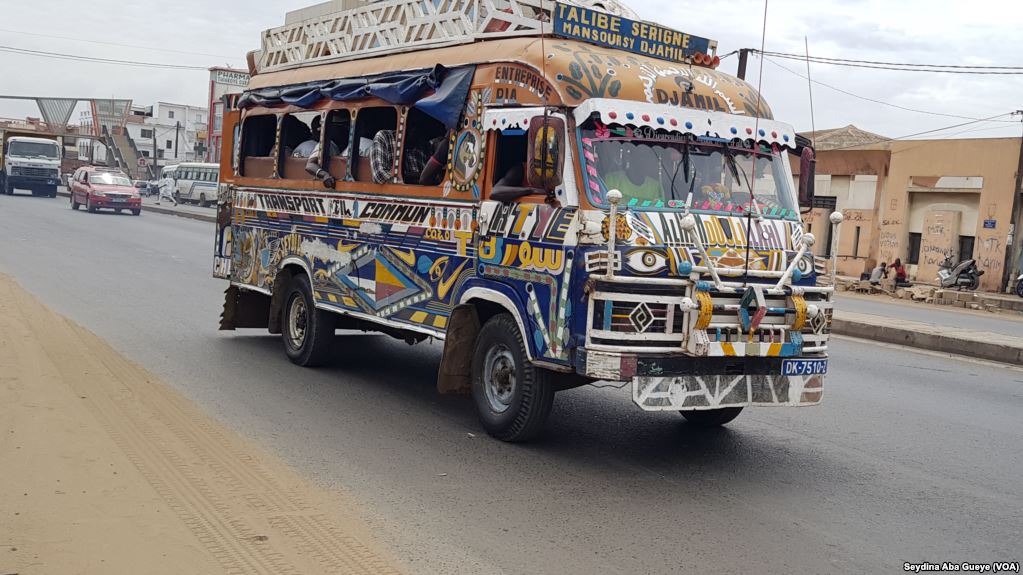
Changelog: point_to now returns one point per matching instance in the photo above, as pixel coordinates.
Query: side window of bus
(374, 155)
(510, 154)
(259, 139)
(425, 139)
(339, 131)
(300, 135)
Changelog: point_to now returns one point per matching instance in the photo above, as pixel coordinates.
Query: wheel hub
(298, 318)
(499, 381)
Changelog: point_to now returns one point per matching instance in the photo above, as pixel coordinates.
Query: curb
(992, 351)
(159, 210)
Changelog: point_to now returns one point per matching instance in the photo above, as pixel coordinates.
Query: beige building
(916, 200)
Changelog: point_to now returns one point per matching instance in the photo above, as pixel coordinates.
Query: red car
(101, 188)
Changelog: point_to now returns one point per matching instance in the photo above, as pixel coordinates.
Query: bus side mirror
(807, 171)
(545, 162)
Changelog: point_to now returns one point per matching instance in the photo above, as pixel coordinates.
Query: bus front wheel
(308, 332)
(513, 397)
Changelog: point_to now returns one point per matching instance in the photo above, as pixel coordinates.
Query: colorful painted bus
(556, 211)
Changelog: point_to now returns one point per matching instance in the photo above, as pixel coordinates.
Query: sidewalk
(979, 344)
(106, 469)
(184, 210)
(167, 207)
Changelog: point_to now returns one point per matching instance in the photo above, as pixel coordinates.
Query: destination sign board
(633, 36)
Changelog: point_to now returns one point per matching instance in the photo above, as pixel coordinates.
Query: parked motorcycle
(962, 275)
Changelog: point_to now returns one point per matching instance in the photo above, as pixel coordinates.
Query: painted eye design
(805, 265)
(646, 262)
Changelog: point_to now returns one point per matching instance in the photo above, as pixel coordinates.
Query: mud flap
(243, 309)
(454, 375)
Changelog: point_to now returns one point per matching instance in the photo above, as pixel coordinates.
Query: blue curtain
(439, 92)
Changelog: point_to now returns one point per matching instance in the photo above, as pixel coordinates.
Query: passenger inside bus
(294, 131)
(339, 123)
(313, 165)
(433, 172)
(376, 124)
(305, 149)
(638, 174)
(426, 149)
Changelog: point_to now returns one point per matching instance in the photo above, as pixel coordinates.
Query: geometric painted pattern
(379, 281)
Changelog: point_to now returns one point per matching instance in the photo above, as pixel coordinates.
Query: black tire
(88, 205)
(711, 417)
(1019, 288)
(309, 336)
(74, 205)
(137, 212)
(513, 397)
(974, 283)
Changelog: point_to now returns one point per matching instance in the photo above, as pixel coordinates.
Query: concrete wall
(856, 179)
(992, 159)
(940, 237)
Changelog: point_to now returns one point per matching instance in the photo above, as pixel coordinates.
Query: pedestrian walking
(166, 190)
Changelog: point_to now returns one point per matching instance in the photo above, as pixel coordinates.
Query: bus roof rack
(353, 29)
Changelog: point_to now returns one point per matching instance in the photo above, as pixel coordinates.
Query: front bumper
(31, 182)
(110, 203)
(662, 382)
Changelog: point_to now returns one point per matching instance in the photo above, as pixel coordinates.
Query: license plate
(120, 199)
(804, 367)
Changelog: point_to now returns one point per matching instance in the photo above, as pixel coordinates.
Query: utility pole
(156, 154)
(743, 56)
(1014, 250)
(177, 128)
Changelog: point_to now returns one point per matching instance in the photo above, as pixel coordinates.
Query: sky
(203, 33)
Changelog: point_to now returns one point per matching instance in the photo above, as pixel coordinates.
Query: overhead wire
(1004, 71)
(78, 58)
(118, 44)
(906, 64)
(925, 132)
(868, 99)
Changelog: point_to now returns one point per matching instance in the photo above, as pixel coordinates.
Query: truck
(30, 163)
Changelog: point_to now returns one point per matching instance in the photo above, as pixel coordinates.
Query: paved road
(927, 313)
(911, 457)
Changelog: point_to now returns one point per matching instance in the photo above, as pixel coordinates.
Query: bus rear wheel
(711, 417)
(307, 332)
(513, 397)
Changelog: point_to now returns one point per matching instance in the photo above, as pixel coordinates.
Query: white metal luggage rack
(392, 26)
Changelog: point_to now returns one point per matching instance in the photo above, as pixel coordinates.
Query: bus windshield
(659, 168)
(34, 150)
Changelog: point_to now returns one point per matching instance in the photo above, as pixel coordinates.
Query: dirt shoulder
(108, 470)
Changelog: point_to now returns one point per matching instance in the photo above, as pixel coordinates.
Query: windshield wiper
(733, 168)
(684, 163)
